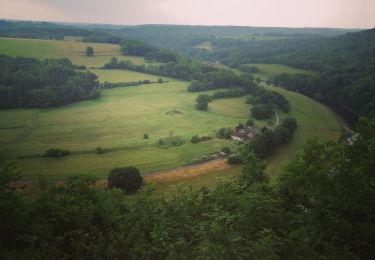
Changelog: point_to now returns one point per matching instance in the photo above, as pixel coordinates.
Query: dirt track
(180, 173)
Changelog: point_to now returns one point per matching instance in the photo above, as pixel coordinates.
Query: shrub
(126, 178)
(250, 122)
(226, 150)
(225, 133)
(99, 150)
(89, 51)
(171, 141)
(53, 152)
(196, 139)
(145, 136)
(234, 159)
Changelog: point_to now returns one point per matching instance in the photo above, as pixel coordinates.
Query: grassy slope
(271, 70)
(75, 51)
(315, 120)
(120, 118)
(116, 76)
(117, 121)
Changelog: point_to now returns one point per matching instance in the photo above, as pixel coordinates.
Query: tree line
(268, 140)
(320, 206)
(29, 82)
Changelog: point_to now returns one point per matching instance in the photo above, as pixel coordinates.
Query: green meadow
(267, 71)
(117, 76)
(116, 122)
(75, 51)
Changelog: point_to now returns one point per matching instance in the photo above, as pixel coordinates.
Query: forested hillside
(29, 82)
(347, 67)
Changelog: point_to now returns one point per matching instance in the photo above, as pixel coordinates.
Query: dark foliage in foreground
(127, 179)
(29, 82)
(321, 207)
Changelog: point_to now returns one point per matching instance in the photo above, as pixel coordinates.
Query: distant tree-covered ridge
(29, 82)
(345, 63)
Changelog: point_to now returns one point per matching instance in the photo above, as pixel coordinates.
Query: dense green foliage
(28, 82)
(197, 139)
(126, 178)
(55, 152)
(202, 102)
(136, 48)
(261, 111)
(271, 99)
(345, 63)
(89, 51)
(40, 30)
(322, 206)
(268, 140)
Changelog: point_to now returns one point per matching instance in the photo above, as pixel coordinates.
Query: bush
(145, 136)
(261, 111)
(171, 141)
(225, 133)
(202, 102)
(250, 122)
(99, 150)
(196, 139)
(226, 150)
(126, 178)
(234, 159)
(89, 51)
(56, 153)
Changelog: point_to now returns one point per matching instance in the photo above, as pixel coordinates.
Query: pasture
(117, 76)
(75, 51)
(116, 122)
(267, 71)
(314, 119)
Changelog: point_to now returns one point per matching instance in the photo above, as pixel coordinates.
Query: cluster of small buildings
(243, 134)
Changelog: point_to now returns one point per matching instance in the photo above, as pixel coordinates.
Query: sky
(273, 13)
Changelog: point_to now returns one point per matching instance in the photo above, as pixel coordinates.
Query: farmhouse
(243, 134)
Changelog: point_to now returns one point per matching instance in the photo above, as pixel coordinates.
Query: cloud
(291, 13)
(111, 11)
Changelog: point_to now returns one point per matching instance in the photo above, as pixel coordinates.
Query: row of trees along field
(29, 82)
(203, 77)
(321, 206)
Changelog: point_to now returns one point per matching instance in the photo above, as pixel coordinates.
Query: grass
(198, 182)
(315, 120)
(270, 70)
(116, 76)
(115, 122)
(75, 51)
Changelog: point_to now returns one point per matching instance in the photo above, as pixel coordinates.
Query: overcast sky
(283, 13)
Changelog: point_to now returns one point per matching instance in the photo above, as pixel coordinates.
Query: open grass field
(315, 120)
(270, 70)
(208, 179)
(115, 122)
(116, 76)
(75, 51)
